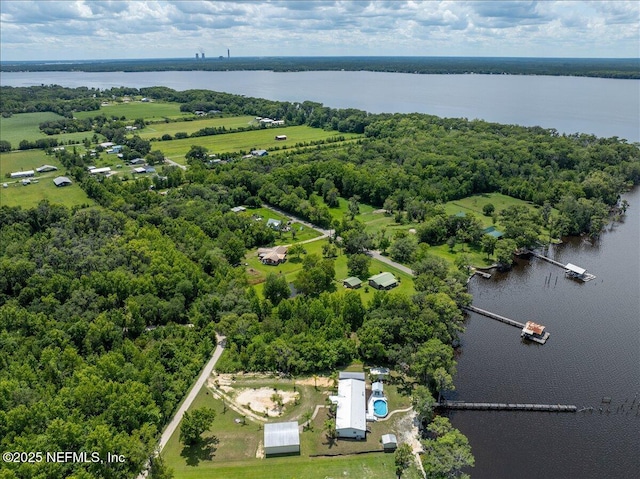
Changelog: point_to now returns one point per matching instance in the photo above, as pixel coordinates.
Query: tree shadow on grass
(203, 450)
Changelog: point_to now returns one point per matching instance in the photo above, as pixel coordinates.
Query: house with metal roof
(274, 224)
(352, 282)
(259, 152)
(351, 411)
(492, 231)
(281, 438)
(62, 181)
(384, 281)
(45, 168)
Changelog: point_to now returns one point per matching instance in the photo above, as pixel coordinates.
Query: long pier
(487, 406)
(549, 260)
(495, 316)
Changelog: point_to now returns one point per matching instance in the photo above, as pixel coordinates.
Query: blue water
(380, 407)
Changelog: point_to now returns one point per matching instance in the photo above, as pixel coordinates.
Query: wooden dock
(495, 316)
(485, 406)
(549, 260)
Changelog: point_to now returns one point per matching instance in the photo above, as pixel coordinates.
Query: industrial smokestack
(228, 54)
(197, 56)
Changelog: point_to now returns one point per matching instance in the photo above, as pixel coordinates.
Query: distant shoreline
(619, 68)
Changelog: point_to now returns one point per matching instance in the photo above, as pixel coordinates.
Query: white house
(281, 438)
(351, 401)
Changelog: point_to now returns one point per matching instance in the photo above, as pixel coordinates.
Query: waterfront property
(281, 438)
(351, 410)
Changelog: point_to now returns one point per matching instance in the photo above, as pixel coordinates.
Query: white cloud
(130, 29)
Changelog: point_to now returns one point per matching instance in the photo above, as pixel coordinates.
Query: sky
(88, 29)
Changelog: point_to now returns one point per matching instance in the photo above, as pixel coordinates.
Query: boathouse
(534, 332)
(574, 271)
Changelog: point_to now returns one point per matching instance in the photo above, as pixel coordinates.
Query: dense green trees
(447, 451)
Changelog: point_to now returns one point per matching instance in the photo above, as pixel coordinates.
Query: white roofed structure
(351, 412)
(98, 171)
(575, 269)
(281, 438)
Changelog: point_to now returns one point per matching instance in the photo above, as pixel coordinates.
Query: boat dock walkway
(495, 316)
(485, 406)
(549, 260)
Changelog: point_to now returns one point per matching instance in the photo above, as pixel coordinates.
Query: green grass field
(156, 130)
(137, 109)
(24, 126)
(247, 141)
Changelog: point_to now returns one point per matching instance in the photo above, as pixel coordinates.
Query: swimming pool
(380, 407)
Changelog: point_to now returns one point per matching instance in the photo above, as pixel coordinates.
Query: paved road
(390, 262)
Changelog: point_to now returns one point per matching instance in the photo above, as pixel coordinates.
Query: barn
(281, 438)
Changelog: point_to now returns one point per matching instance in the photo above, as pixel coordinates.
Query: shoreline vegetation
(110, 306)
(621, 68)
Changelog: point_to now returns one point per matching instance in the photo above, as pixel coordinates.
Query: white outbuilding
(281, 438)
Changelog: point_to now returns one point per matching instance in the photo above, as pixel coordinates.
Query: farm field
(24, 126)
(248, 140)
(137, 109)
(237, 445)
(156, 130)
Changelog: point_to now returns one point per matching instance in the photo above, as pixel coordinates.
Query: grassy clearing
(24, 126)
(137, 109)
(156, 130)
(234, 455)
(248, 140)
(42, 186)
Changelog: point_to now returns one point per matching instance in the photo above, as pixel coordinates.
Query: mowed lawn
(137, 109)
(248, 140)
(156, 130)
(25, 126)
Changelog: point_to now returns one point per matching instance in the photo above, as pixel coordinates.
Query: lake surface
(600, 106)
(593, 352)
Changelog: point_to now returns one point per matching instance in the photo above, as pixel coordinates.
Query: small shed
(62, 181)
(384, 281)
(281, 137)
(389, 442)
(492, 231)
(352, 282)
(139, 170)
(281, 438)
(238, 209)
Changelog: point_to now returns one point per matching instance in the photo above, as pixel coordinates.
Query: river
(600, 106)
(594, 349)
(593, 352)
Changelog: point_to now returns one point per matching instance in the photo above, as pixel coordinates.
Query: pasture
(151, 111)
(248, 140)
(156, 130)
(24, 126)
